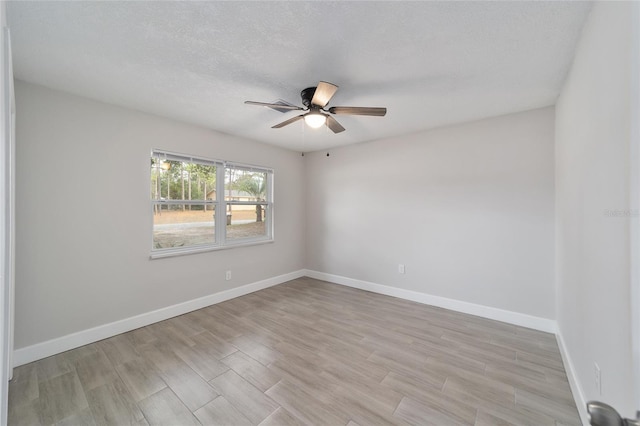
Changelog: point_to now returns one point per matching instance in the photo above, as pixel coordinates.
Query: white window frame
(220, 205)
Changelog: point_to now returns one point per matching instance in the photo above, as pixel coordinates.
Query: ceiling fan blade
(274, 106)
(287, 122)
(377, 112)
(323, 94)
(333, 124)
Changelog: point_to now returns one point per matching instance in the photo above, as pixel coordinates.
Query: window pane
(182, 185)
(180, 225)
(246, 221)
(179, 180)
(244, 185)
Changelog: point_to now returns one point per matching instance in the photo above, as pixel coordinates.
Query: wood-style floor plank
(557, 409)
(53, 366)
(140, 377)
(281, 417)
(305, 406)
(165, 408)
(192, 389)
(52, 407)
(84, 418)
(221, 412)
(118, 349)
(24, 386)
(304, 353)
(95, 370)
(112, 404)
(26, 413)
(201, 362)
(416, 413)
(251, 370)
(247, 399)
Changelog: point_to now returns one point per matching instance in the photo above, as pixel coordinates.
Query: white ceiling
(429, 63)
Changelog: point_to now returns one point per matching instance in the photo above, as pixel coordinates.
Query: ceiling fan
(315, 99)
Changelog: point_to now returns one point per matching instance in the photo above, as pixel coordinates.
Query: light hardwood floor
(304, 352)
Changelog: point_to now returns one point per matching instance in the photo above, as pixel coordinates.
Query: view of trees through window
(246, 197)
(186, 202)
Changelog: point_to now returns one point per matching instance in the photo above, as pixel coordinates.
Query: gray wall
(469, 210)
(84, 216)
(593, 160)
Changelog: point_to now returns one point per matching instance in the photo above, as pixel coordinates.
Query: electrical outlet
(598, 378)
(227, 275)
(401, 268)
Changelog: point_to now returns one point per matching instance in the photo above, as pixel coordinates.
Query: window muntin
(186, 194)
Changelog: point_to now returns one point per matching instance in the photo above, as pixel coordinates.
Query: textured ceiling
(429, 63)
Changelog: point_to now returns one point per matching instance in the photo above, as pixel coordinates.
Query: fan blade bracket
(323, 94)
(346, 110)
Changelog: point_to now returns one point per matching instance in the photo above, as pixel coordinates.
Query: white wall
(593, 123)
(84, 217)
(469, 210)
(6, 257)
(634, 200)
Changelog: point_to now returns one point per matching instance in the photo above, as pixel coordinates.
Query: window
(200, 204)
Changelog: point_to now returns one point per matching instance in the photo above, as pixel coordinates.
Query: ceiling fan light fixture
(315, 119)
(315, 99)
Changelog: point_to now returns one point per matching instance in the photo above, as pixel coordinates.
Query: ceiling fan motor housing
(307, 96)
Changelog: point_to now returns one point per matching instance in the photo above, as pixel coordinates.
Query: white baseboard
(576, 389)
(61, 344)
(516, 318)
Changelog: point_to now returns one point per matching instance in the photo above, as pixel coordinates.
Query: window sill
(161, 254)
